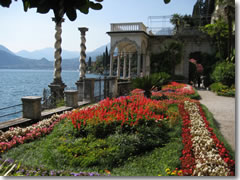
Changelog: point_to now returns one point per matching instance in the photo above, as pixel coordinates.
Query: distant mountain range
(11, 61)
(43, 59)
(48, 53)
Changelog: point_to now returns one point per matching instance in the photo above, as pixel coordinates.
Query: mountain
(48, 53)
(97, 52)
(2, 48)
(11, 61)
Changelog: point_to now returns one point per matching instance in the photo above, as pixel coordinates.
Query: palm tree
(176, 20)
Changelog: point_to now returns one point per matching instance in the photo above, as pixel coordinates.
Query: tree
(70, 6)
(219, 32)
(176, 20)
(200, 14)
(104, 60)
(59, 7)
(107, 56)
(229, 10)
(174, 53)
(89, 61)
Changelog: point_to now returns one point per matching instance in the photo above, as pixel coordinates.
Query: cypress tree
(89, 61)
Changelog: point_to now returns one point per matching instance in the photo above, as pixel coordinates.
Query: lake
(14, 84)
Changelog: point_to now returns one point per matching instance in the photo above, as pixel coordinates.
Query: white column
(139, 65)
(118, 66)
(111, 65)
(148, 64)
(124, 65)
(144, 65)
(129, 65)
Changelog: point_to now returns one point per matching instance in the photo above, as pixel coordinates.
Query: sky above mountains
(32, 31)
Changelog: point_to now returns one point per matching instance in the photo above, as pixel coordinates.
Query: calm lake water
(14, 84)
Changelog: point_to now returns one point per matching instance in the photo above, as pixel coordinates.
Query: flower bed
(140, 124)
(203, 154)
(17, 135)
(10, 168)
(124, 110)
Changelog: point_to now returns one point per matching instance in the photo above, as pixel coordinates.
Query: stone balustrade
(128, 27)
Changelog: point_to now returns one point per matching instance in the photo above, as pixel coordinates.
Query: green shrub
(216, 87)
(160, 79)
(147, 83)
(224, 72)
(115, 148)
(85, 152)
(230, 92)
(60, 103)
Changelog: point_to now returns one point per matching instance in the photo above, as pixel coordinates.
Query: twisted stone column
(82, 66)
(58, 51)
(57, 86)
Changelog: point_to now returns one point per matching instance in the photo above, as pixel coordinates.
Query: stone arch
(128, 45)
(190, 46)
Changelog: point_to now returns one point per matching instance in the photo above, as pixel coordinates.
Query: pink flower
(193, 61)
(199, 68)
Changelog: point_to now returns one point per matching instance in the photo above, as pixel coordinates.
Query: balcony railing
(128, 27)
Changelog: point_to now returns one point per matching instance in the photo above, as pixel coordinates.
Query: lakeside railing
(33, 106)
(11, 113)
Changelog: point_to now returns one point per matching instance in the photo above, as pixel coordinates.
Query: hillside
(48, 53)
(10, 61)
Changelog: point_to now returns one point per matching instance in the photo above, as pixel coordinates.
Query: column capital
(83, 30)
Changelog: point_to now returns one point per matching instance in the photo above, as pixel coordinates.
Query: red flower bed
(187, 159)
(220, 146)
(178, 88)
(126, 110)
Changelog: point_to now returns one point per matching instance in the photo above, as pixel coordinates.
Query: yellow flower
(180, 173)
(173, 173)
(159, 175)
(167, 170)
(107, 171)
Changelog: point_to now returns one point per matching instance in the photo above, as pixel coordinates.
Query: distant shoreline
(64, 70)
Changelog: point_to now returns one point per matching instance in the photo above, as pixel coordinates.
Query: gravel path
(223, 110)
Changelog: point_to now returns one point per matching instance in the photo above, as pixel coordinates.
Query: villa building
(128, 39)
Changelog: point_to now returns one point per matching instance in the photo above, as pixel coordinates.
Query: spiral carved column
(82, 66)
(57, 86)
(57, 54)
(81, 83)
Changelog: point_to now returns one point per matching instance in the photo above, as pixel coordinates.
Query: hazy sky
(31, 31)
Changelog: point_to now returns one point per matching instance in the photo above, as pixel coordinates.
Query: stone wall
(192, 42)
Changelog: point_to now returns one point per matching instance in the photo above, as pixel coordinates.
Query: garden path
(223, 110)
